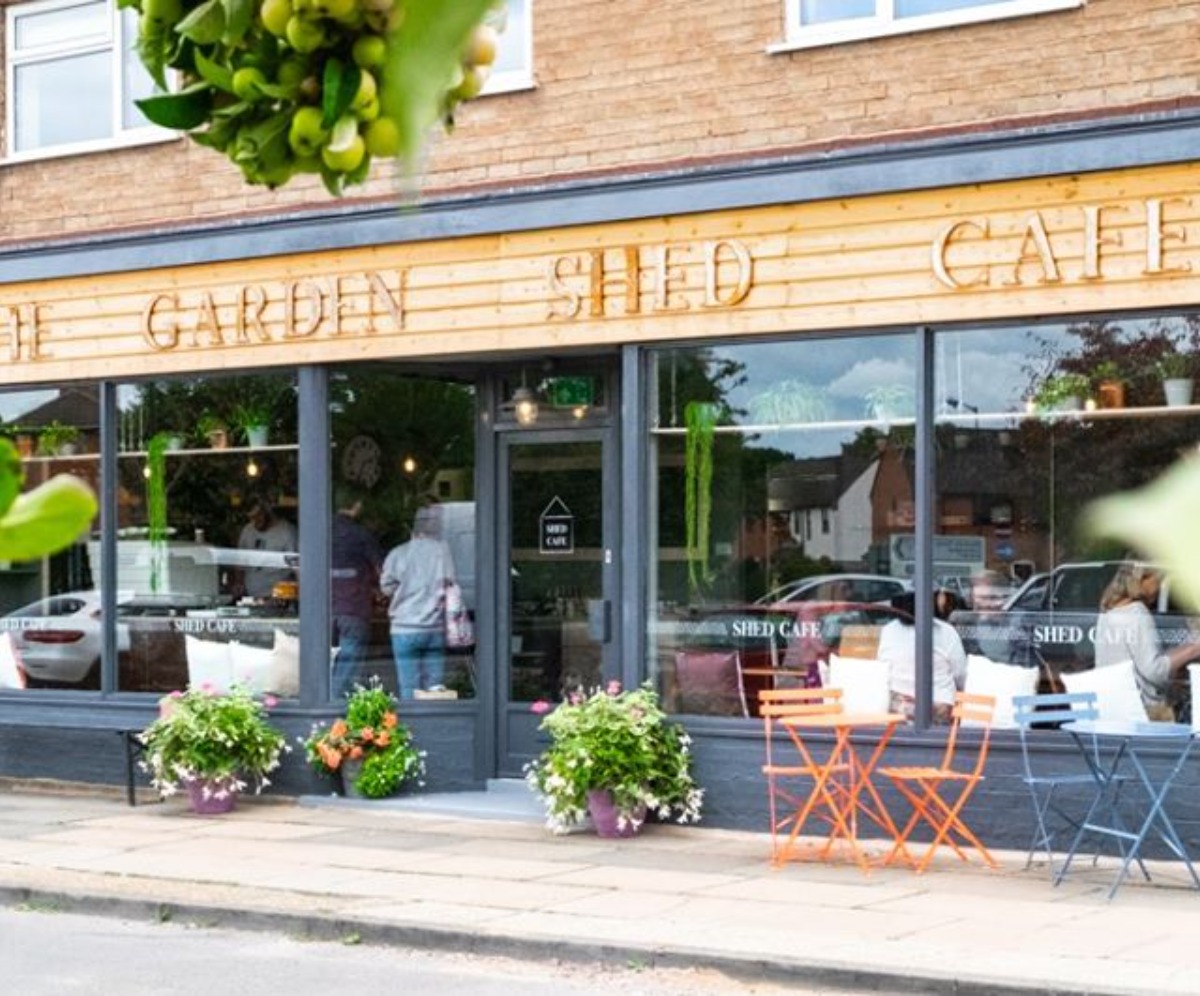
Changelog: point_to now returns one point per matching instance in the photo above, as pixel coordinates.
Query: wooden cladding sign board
(1053, 246)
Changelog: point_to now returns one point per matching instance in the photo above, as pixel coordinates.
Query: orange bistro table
(842, 786)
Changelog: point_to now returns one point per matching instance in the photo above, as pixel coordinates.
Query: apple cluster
(292, 86)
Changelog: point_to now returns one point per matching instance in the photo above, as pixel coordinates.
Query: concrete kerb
(315, 927)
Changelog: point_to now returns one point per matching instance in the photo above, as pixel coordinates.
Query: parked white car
(838, 588)
(58, 638)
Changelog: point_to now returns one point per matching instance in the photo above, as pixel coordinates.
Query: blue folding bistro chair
(1051, 815)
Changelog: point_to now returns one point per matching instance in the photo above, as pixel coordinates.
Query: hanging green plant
(314, 86)
(156, 503)
(700, 420)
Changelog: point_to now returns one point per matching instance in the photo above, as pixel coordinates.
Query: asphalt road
(47, 953)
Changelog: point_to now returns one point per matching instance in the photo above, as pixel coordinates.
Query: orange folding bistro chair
(774, 705)
(939, 793)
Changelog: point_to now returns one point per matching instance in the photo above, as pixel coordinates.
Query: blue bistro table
(1123, 740)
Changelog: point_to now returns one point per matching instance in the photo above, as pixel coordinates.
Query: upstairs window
(73, 75)
(826, 22)
(513, 69)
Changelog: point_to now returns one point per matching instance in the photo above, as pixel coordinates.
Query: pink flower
(575, 698)
(270, 701)
(614, 687)
(540, 707)
(177, 694)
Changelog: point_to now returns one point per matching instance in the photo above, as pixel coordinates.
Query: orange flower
(338, 730)
(390, 720)
(383, 739)
(355, 752)
(367, 734)
(329, 756)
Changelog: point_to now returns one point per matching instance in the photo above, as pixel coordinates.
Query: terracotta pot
(211, 797)
(1110, 394)
(605, 818)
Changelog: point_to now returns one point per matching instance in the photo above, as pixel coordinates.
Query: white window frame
(885, 23)
(522, 77)
(112, 39)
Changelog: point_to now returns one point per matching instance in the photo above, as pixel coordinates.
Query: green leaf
(12, 477)
(154, 48)
(47, 519)
(239, 16)
(257, 143)
(423, 53)
(214, 72)
(205, 25)
(188, 108)
(333, 181)
(338, 89)
(1162, 520)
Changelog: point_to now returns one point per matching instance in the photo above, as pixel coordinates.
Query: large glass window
(207, 551)
(1034, 423)
(513, 68)
(72, 76)
(820, 22)
(50, 608)
(782, 475)
(404, 502)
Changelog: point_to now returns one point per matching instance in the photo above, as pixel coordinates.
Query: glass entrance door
(556, 578)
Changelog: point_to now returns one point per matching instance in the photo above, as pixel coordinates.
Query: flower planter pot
(1178, 391)
(350, 770)
(257, 435)
(211, 797)
(606, 819)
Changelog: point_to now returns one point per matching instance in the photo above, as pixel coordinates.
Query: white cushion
(863, 681)
(1003, 681)
(283, 673)
(209, 663)
(12, 674)
(251, 666)
(1117, 695)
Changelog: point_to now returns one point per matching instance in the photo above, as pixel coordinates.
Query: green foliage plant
(700, 419)
(617, 741)
(370, 732)
(1059, 388)
(55, 436)
(287, 87)
(1174, 365)
(206, 735)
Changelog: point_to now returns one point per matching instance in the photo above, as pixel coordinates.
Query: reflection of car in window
(1050, 621)
(58, 638)
(837, 588)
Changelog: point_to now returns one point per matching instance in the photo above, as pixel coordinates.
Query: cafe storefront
(643, 414)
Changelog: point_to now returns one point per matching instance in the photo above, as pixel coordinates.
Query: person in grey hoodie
(414, 577)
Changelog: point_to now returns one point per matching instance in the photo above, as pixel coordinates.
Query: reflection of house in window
(828, 505)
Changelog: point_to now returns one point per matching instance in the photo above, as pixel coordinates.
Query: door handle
(599, 619)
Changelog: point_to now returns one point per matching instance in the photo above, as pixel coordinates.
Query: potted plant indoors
(1177, 371)
(1061, 393)
(614, 755)
(254, 419)
(213, 744)
(1109, 385)
(57, 439)
(213, 430)
(369, 748)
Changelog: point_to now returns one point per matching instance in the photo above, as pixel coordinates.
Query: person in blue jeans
(356, 560)
(414, 578)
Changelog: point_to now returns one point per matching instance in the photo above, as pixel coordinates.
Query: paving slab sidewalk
(673, 896)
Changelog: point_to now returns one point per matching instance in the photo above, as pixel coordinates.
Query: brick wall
(648, 85)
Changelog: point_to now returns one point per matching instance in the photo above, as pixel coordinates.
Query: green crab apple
(481, 47)
(307, 133)
(304, 35)
(248, 82)
(161, 14)
(275, 16)
(369, 51)
(382, 138)
(345, 160)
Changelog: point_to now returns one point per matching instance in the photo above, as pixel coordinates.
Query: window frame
(112, 40)
(522, 77)
(885, 24)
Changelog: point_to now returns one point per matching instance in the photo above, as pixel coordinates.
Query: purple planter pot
(605, 818)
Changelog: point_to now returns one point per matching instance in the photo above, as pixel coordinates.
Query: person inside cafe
(1125, 631)
(265, 531)
(356, 558)
(898, 647)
